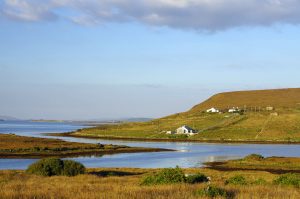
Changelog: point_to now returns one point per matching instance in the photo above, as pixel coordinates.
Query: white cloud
(208, 15)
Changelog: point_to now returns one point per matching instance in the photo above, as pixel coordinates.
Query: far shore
(221, 141)
(14, 146)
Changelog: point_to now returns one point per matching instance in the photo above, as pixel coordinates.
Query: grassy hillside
(279, 98)
(256, 124)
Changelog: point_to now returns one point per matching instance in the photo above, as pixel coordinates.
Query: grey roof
(189, 128)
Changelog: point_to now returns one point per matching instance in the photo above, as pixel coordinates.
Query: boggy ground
(254, 162)
(126, 183)
(14, 146)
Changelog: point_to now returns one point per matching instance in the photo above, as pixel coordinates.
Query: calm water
(187, 154)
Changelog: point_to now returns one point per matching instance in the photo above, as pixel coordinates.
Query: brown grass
(279, 98)
(13, 146)
(271, 164)
(10, 141)
(17, 184)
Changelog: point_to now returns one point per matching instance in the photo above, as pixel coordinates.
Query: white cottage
(212, 110)
(185, 130)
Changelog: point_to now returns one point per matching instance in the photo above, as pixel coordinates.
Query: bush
(166, 176)
(46, 167)
(260, 181)
(72, 168)
(54, 166)
(236, 180)
(292, 179)
(198, 178)
(256, 157)
(213, 192)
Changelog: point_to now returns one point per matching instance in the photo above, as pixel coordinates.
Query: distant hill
(137, 119)
(278, 98)
(281, 125)
(7, 118)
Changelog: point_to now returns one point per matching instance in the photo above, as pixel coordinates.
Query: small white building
(212, 110)
(234, 110)
(269, 108)
(186, 130)
(170, 132)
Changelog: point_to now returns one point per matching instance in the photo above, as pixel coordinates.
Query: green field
(254, 123)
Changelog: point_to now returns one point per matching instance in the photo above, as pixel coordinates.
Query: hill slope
(279, 98)
(284, 126)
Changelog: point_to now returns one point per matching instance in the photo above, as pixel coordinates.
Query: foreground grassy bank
(126, 183)
(13, 146)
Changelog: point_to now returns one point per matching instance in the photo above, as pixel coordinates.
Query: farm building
(234, 110)
(185, 130)
(212, 110)
(269, 108)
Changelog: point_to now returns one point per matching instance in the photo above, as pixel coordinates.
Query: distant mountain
(7, 118)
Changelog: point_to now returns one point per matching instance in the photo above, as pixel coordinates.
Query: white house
(212, 110)
(186, 130)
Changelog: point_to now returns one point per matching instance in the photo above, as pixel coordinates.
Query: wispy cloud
(202, 15)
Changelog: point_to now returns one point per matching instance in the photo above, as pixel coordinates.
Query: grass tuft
(291, 179)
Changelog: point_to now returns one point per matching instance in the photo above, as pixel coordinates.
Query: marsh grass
(17, 184)
(14, 146)
(257, 162)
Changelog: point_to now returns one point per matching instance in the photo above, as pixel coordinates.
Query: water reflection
(187, 154)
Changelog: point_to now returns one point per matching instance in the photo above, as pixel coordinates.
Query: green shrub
(213, 192)
(46, 167)
(292, 179)
(197, 178)
(260, 181)
(166, 176)
(236, 180)
(72, 168)
(256, 157)
(54, 166)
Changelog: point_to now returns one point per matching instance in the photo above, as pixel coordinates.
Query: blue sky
(68, 60)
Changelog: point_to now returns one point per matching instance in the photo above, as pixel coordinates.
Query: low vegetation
(13, 146)
(196, 178)
(258, 162)
(214, 192)
(291, 179)
(123, 183)
(56, 167)
(166, 176)
(236, 180)
(173, 176)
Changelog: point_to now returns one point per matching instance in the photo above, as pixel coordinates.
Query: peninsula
(261, 116)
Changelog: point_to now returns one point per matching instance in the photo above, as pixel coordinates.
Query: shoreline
(174, 140)
(80, 154)
(24, 147)
(219, 166)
